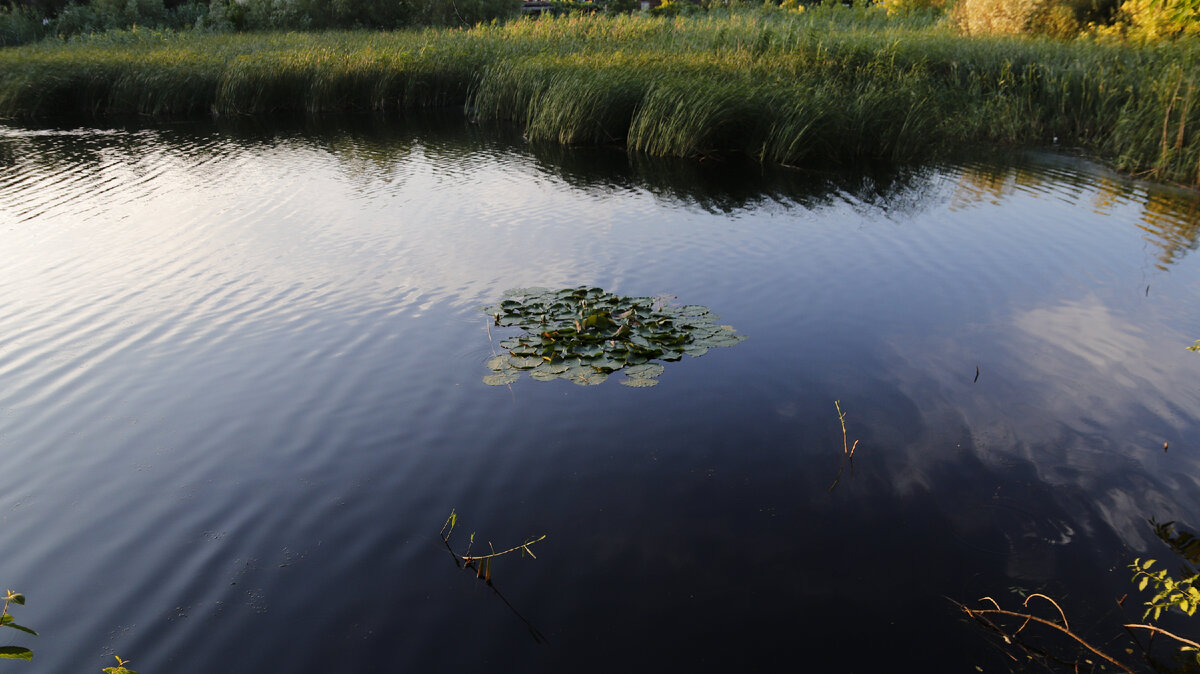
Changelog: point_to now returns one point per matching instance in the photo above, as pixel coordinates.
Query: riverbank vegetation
(785, 84)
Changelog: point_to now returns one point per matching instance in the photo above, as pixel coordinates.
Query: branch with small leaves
(6, 620)
(1182, 594)
(120, 668)
(1170, 593)
(483, 563)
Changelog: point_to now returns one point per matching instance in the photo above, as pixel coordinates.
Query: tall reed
(827, 85)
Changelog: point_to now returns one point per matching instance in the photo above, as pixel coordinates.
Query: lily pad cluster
(585, 334)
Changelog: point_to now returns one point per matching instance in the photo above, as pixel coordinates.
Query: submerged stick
(842, 418)
(847, 449)
(980, 615)
(1158, 630)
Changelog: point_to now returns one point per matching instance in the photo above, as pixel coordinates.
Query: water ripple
(242, 382)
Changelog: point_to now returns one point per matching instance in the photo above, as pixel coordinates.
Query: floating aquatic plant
(585, 334)
(483, 563)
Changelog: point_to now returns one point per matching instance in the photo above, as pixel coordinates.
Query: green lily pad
(646, 371)
(604, 364)
(639, 382)
(590, 378)
(498, 364)
(723, 337)
(501, 379)
(525, 362)
(554, 368)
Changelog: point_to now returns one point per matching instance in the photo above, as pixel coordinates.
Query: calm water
(241, 390)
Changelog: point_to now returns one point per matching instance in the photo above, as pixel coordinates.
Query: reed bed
(832, 85)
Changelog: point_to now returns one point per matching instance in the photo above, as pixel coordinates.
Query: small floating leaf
(588, 378)
(606, 364)
(639, 382)
(498, 363)
(722, 339)
(501, 379)
(555, 368)
(648, 370)
(525, 362)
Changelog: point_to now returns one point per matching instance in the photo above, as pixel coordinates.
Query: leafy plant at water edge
(585, 334)
(120, 668)
(1195, 347)
(827, 85)
(482, 564)
(1182, 594)
(6, 620)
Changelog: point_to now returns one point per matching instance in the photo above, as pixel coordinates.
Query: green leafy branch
(483, 563)
(1194, 347)
(6, 620)
(1170, 593)
(1181, 594)
(22, 653)
(120, 668)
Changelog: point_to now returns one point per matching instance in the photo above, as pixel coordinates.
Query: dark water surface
(241, 390)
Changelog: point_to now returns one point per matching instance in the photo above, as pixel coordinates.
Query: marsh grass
(825, 86)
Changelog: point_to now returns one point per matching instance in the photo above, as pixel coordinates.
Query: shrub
(1057, 18)
(1146, 20)
(105, 15)
(992, 17)
(903, 7)
(20, 25)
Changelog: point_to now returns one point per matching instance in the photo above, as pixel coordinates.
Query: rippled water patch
(242, 391)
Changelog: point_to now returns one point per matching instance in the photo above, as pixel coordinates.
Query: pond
(243, 388)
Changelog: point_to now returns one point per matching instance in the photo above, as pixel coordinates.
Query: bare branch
(1163, 632)
(976, 613)
(1060, 611)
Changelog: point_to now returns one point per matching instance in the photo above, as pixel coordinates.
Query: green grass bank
(826, 85)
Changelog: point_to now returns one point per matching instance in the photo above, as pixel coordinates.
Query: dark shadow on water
(1182, 542)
